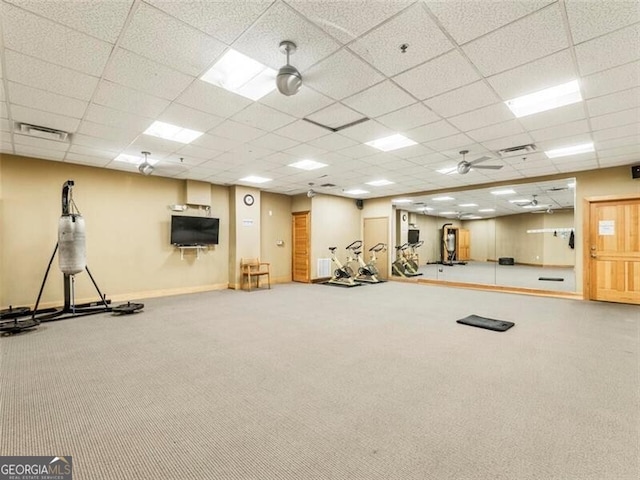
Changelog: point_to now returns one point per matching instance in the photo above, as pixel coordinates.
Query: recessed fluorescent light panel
(379, 183)
(566, 151)
(254, 179)
(355, 191)
(242, 75)
(546, 99)
(448, 213)
(133, 159)
(172, 132)
(447, 171)
(425, 209)
(507, 191)
(442, 199)
(307, 165)
(392, 142)
(402, 200)
(520, 200)
(571, 184)
(468, 205)
(487, 210)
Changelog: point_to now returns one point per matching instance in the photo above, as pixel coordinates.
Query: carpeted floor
(311, 382)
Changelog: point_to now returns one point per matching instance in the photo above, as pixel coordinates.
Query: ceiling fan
(146, 167)
(464, 166)
(548, 210)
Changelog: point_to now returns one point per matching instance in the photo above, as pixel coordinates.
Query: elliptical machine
(343, 275)
(368, 272)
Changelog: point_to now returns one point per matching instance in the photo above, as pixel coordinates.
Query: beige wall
(276, 228)
(245, 230)
(381, 208)
(556, 248)
(128, 233)
(335, 222)
(300, 203)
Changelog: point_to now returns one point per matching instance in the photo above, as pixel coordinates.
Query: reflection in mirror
(517, 236)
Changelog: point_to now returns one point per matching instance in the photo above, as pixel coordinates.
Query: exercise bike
(368, 272)
(401, 267)
(412, 256)
(343, 275)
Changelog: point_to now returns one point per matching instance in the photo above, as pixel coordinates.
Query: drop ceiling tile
(507, 142)
(303, 103)
(274, 142)
(367, 131)
(612, 80)
(333, 142)
(186, 117)
(359, 151)
(44, 153)
(609, 51)
(280, 22)
(103, 20)
(530, 38)
(134, 71)
(329, 76)
(412, 152)
(335, 115)
(558, 116)
(499, 130)
(106, 132)
(47, 76)
(604, 145)
(46, 40)
(237, 131)
(3, 110)
(166, 40)
(464, 99)
(619, 151)
(433, 131)
(196, 155)
(263, 117)
(159, 148)
(44, 119)
(408, 117)
(5, 140)
(118, 119)
(81, 159)
(116, 96)
(380, 99)
(466, 20)
(618, 160)
(95, 151)
(437, 76)
(46, 101)
(614, 102)
(482, 117)
(554, 143)
(577, 166)
(531, 77)
(211, 99)
(222, 20)
(351, 19)
(451, 143)
(215, 142)
(43, 143)
(306, 151)
(302, 131)
(617, 119)
(381, 46)
(616, 132)
(560, 131)
(592, 19)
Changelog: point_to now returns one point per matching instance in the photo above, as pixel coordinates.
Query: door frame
(306, 213)
(586, 235)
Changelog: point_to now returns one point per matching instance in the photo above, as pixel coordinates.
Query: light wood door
(464, 244)
(301, 247)
(614, 251)
(376, 230)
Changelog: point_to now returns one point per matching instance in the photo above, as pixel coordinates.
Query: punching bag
(72, 253)
(451, 242)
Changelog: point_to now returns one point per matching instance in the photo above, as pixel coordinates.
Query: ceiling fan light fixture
(288, 79)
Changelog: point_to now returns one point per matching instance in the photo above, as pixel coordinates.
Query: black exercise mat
(488, 323)
(551, 279)
(342, 285)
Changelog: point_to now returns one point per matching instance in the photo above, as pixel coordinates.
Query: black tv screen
(194, 230)
(414, 236)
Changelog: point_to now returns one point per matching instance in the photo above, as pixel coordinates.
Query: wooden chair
(253, 267)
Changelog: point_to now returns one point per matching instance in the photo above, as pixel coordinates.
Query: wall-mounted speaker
(635, 171)
(359, 203)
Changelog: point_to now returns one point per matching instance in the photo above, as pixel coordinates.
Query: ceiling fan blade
(488, 167)
(478, 160)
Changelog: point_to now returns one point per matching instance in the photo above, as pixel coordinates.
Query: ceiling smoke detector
(289, 79)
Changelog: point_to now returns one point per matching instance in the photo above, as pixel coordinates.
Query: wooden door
(301, 247)
(613, 251)
(464, 244)
(376, 230)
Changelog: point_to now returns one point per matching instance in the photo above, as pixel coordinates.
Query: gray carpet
(309, 382)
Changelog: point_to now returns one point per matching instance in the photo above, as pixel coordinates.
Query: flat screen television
(414, 236)
(192, 231)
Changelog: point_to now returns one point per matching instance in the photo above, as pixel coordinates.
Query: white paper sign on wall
(247, 222)
(607, 227)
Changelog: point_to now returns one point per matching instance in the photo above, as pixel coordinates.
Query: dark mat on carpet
(343, 285)
(488, 323)
(551, 279)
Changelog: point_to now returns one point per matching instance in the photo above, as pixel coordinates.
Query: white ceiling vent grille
(42, 132)
(516, 151)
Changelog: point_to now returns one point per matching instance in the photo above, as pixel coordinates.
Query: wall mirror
(520, 236)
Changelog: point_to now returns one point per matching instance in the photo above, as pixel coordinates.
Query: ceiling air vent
(42, 132)
(517, 151)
